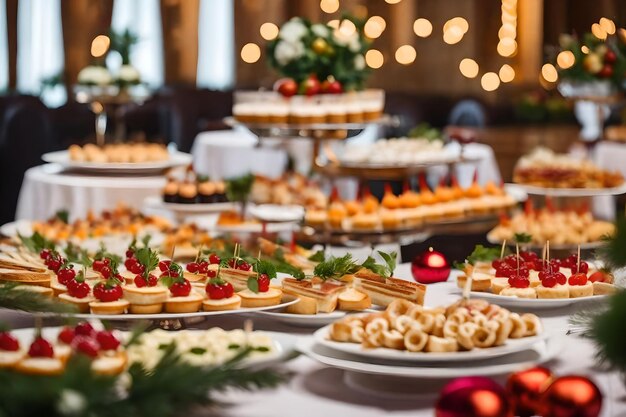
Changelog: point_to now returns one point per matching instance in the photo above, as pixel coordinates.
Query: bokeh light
(422, 27)
(469, 68)
(565, 59)
(268, 31)
(374, 27)
(490, 81)
(329, 6)
(250, 53)
(374, 58)
(506, 73)
(549, 73)
(406, 54)
(100, 45)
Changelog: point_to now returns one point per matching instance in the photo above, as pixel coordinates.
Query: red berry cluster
(77, 287)
(86, 340)
(201, 266)
(238, 263)
(8, 342)
(218, 289)
(52, 259)
(108, 291)
(107, 268)
(172, 274)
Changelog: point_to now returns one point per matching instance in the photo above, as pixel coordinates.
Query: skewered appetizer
(544, 168)
(463, 326)
(194, 190)
(528, 276)
(291, 188)
(48, 357)
(119, 153)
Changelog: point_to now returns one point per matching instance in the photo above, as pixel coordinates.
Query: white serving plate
(393, 355)
(277, 212)
(171, 316)
(196, 208)
(284, 344)
(62, 158)
(533, 303)
(540, 352)
(255, 228)
(568, 192)
(304, 320)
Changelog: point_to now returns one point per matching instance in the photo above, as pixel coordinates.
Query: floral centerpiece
(317, 57)
(591, 70)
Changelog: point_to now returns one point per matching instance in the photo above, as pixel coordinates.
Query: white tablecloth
(318, 390)
(47, 189)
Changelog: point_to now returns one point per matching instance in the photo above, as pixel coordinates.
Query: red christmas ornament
(571, 396)
(429, 267)
(473, 396)
(525, 388)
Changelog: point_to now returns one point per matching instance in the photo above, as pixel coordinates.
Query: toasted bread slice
(480, 281)
(305, 305)
(230, 303)
(25, 276)
(188, 304)
(251, 299)
(325, 293)
(577, 291)
(558, 291)
(7, 262)
(383, 293)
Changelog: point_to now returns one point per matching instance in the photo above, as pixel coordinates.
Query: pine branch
(14, 298)
(613, 252)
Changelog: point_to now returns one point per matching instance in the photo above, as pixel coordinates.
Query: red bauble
(473, 396)
(429, 267)
(525, 388)
(286, 86)
(571, 396)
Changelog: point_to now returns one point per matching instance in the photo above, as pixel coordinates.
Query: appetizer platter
(46, 351)
(540, 352)
(148, 286)
(411, 210)
(407, 332)
(565, 229)
(543, 172)
(118, 159)
(526, 280)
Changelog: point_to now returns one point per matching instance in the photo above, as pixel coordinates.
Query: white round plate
(196, 208)
(566, 246)
(540, 352)
(304, 320)
(277, 213)
(256, 227)
(569, 192)
(511, 346)
(284, 344)
(62, 158)
(534, 303)
(170, 316)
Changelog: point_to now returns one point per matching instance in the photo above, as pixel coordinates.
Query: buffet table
(317, 389)
(47, 189)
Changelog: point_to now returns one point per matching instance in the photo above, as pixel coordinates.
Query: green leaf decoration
(391, 259)
(253, 284)
(265, 267)
(483, 254)
(382, 270)
(15, 298)
(613, 251)
(336, 267)
(370, 263)
(36, 242)
(607, 332)
(148, 258)
(522, 238)
(238, 189)
(318, 256)
(63, 215)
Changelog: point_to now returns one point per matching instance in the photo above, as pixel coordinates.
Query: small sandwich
(8, 262)
(25, 277)
(40, 360)
(110, 363)
(259, 293)
(220, 296)
(382, 291)
(109, 300)
(237, 277)
(298, 257)
(146, 299)
(78, 294)
(324, 293)
(353, 300)
(480, 281)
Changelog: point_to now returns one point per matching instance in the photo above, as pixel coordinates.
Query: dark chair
(26, 134)
(149, 120)
(195, 110)
(412, 109)
(72, 123)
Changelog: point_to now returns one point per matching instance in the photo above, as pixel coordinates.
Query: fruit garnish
(203, 267)
(65, 274)
(147, 260)
(84, 328)
(528, 256)
(218, 289)
(54, 262)
(519, 281)
(214, 259)
(140, 281)
(86, 346)
(77, 287)
(165, 265)
(107, 340)
(66, 335)
(108, 291)
(549, 281)
(45, 254)
(560, 278)
(582, 267)
(577, 279)
(8, 342)
(601, 276)
(41, 348)
(193, 267)
(180, 288)
(263, 283)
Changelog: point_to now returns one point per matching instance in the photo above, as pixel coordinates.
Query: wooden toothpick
(502, 249)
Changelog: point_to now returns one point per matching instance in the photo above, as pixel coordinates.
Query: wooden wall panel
(180, 40)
